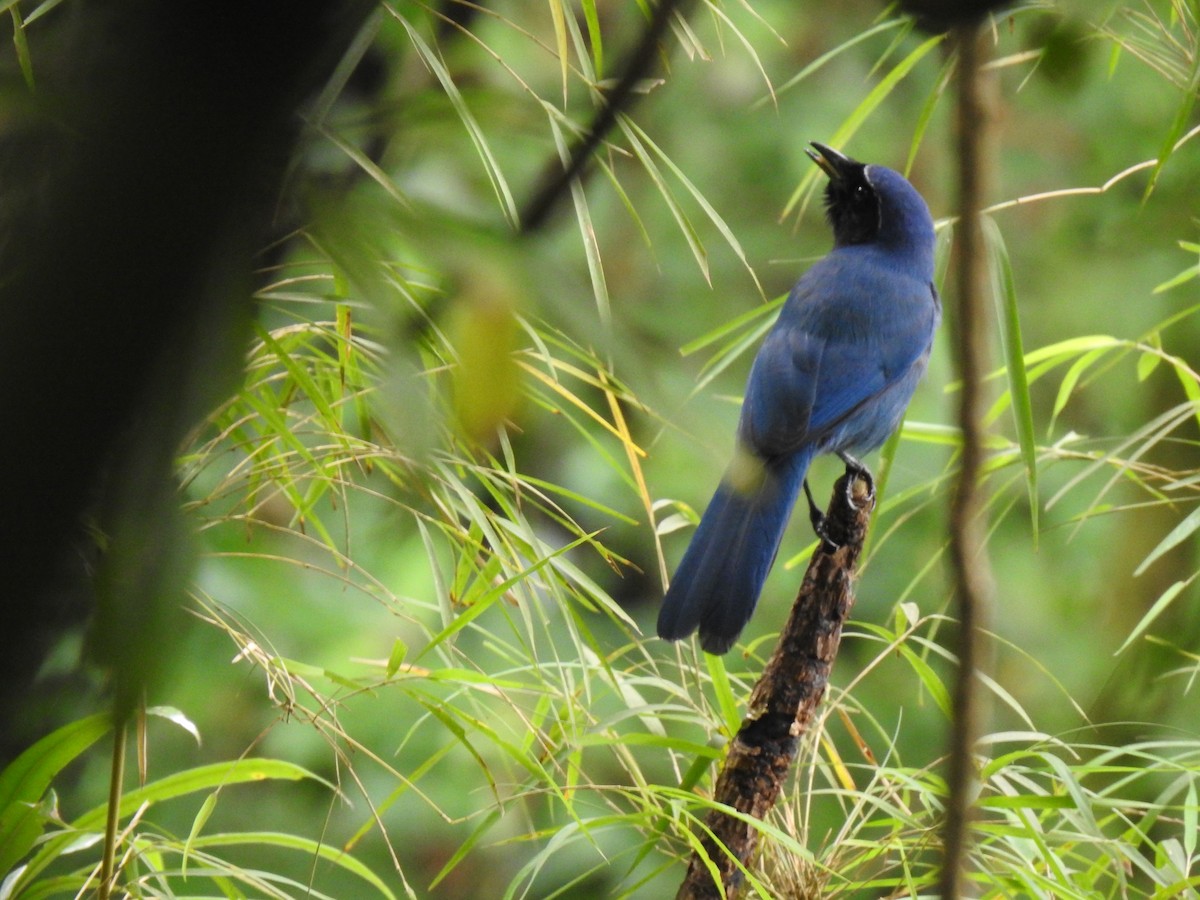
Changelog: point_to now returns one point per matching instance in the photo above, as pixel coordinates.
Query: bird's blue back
(840, 365)
(834, 374)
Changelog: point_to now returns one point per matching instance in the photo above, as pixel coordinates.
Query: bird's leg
(858, 470)
(814, 512)
(818, 520)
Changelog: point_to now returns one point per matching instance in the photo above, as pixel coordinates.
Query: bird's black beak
(832, 163)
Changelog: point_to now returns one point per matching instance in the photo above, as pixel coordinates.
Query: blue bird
(834, 375)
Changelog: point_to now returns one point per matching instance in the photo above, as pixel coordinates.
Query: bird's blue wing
(849, 334)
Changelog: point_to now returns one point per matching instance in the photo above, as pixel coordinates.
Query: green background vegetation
(431, 525)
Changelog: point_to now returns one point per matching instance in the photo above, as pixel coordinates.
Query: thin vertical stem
(113, 820)
(968, 560)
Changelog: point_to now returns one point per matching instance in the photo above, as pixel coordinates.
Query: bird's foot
(859, 472)
(819, 521)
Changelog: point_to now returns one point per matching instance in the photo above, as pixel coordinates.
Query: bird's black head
(851, 201)
(872, 204)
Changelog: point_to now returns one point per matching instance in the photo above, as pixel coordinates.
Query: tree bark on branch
(784, 702)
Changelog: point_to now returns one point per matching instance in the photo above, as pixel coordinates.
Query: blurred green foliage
(436, 518)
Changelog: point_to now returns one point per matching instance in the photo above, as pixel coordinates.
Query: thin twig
(969, 565)
(783, 704)
(113, 819)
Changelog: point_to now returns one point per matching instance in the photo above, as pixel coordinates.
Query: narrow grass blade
(435, 65)
(1005, 295)
(723, 690)
(863, 111)
(1153, 613)
(1178, 535)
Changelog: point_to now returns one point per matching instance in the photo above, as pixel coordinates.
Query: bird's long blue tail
(716, 586)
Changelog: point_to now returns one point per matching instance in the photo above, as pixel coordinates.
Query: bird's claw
(820, 523)
(858, 472)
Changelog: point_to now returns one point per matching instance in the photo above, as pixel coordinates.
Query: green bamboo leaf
(434, 62)
(368, 166)
(1004, 400)
(926, 114)
(21, 43)
(1067, 386)
(29, 775)
(626, 202)
(720, 14)
(701, 763)
(1190, 384)
(929, 678)
(411, 778)
(1072, 347)
(577, 497)
(732, 351)
(322, 105)
(214, 775)
(587, 233)
(1178, 535)
(595, 37)
(1191, 813)
(829, 55)
(736, 324)
(178, 784)
(894, 44)
(300, 375)
(1183, 116)
(467, 846)
(1086, 816)
(1186, 275)
(27, 778)
(396, 658)
(1008, 312)
(1027, 801)
(198, 823)
(1146, 364)
(887, 459)
(709, 209)
(1156, 609)
(723, 690)
(495, 592)
(1114, 57)
(556, 842)
(931, 433)
(176, 717)
(685, 225)
(863, 111)
(279, 429)
(316, 849)
(559, 17)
